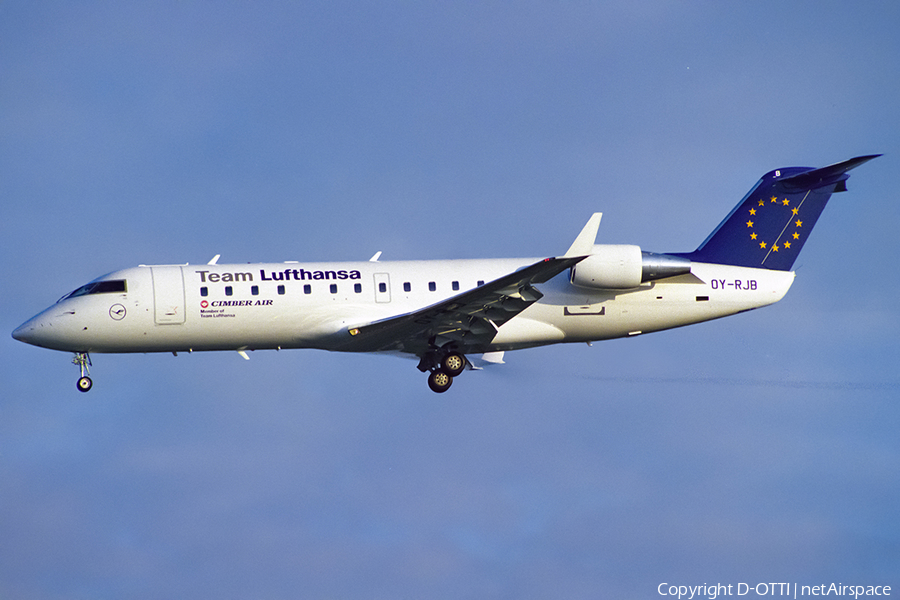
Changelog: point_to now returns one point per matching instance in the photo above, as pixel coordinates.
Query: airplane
(452, 315)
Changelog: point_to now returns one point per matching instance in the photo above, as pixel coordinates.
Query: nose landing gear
(83, 360)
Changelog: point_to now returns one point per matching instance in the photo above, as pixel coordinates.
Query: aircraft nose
(41, 330)
(51, 329)
(24, 332)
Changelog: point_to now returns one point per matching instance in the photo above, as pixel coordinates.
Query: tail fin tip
(768, 228)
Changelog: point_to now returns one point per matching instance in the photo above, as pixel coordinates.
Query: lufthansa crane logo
(117, 312)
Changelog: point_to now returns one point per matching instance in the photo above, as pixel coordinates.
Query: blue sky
(757, 448)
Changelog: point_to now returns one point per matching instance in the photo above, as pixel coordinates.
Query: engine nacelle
(610, 267)
(621, 267)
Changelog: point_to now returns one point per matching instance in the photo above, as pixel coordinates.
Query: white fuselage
(314, 305)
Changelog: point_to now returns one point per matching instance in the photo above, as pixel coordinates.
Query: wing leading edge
(469, 320)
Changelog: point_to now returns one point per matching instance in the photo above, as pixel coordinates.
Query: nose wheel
(83, 360)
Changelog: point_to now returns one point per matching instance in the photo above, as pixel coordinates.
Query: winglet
(585, 240)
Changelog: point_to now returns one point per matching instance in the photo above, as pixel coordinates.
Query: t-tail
(773, 221)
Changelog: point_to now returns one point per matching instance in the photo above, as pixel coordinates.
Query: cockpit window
(98, 287)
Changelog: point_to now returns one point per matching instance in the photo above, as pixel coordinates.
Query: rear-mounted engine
(621, 267)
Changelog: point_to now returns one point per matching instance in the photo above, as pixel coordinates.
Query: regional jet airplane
(449, 314)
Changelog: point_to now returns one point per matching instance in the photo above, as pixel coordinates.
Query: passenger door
(168, 295)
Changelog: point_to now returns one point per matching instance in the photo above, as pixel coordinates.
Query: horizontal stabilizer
(823, 176)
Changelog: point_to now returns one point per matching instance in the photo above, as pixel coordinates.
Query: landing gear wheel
(453, 364)
(83, 361)
(439, 381)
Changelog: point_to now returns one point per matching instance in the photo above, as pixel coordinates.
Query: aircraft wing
(469, 319)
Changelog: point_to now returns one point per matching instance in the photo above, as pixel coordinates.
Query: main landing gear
(443, 369)
(83, 360)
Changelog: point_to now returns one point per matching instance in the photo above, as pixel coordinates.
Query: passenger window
(407, 287)
(254, 289)
(228, 290)
(307, 289)
(281, 290)
(432, 286)
(455, 286)
(480, 282)
(204, 291)
(357, 287)
(334, 288)
(382, 287)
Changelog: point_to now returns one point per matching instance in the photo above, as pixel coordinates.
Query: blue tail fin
(770, 225)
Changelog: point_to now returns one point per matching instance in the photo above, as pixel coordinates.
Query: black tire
(84, 384)
(453, 364)
(439, 381)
